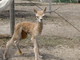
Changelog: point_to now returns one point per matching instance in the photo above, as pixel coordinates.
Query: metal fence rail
(61, 1)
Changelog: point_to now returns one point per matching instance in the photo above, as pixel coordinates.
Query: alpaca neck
(40, 23)
(40, 26)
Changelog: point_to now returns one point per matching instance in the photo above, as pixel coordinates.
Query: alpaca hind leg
(17, 33)
(18, 47)
(8, 45)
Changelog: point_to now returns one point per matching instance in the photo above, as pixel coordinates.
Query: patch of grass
(52, 41)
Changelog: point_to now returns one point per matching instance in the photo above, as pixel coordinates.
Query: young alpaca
(23, 29)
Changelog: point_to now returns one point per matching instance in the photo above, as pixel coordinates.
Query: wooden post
(50, 6)
(12, 18)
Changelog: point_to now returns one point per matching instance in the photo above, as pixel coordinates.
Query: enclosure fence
(50, 2)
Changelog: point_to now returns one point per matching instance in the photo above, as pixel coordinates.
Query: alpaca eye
(43, 16)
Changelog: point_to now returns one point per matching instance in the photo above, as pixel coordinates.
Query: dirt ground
(58, 41)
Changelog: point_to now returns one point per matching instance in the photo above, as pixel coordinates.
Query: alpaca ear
(35, 10)
(45, 9)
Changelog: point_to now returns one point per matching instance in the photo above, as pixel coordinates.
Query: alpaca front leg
(36, 49)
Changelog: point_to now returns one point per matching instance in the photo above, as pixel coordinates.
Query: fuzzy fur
(28, 28)
(23, 29)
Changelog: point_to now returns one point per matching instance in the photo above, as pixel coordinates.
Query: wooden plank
(2, 36)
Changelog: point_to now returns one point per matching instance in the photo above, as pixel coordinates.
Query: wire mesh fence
(24, 10)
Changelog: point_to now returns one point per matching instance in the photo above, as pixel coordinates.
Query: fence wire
(60, 16)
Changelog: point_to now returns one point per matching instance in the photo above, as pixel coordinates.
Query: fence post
(50, 6)
(70, 1)
(12, 18)
(77, 1)
(59, 1)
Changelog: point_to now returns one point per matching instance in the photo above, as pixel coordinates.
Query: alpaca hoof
(4, 57)
(40, 56)
(20, 53)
